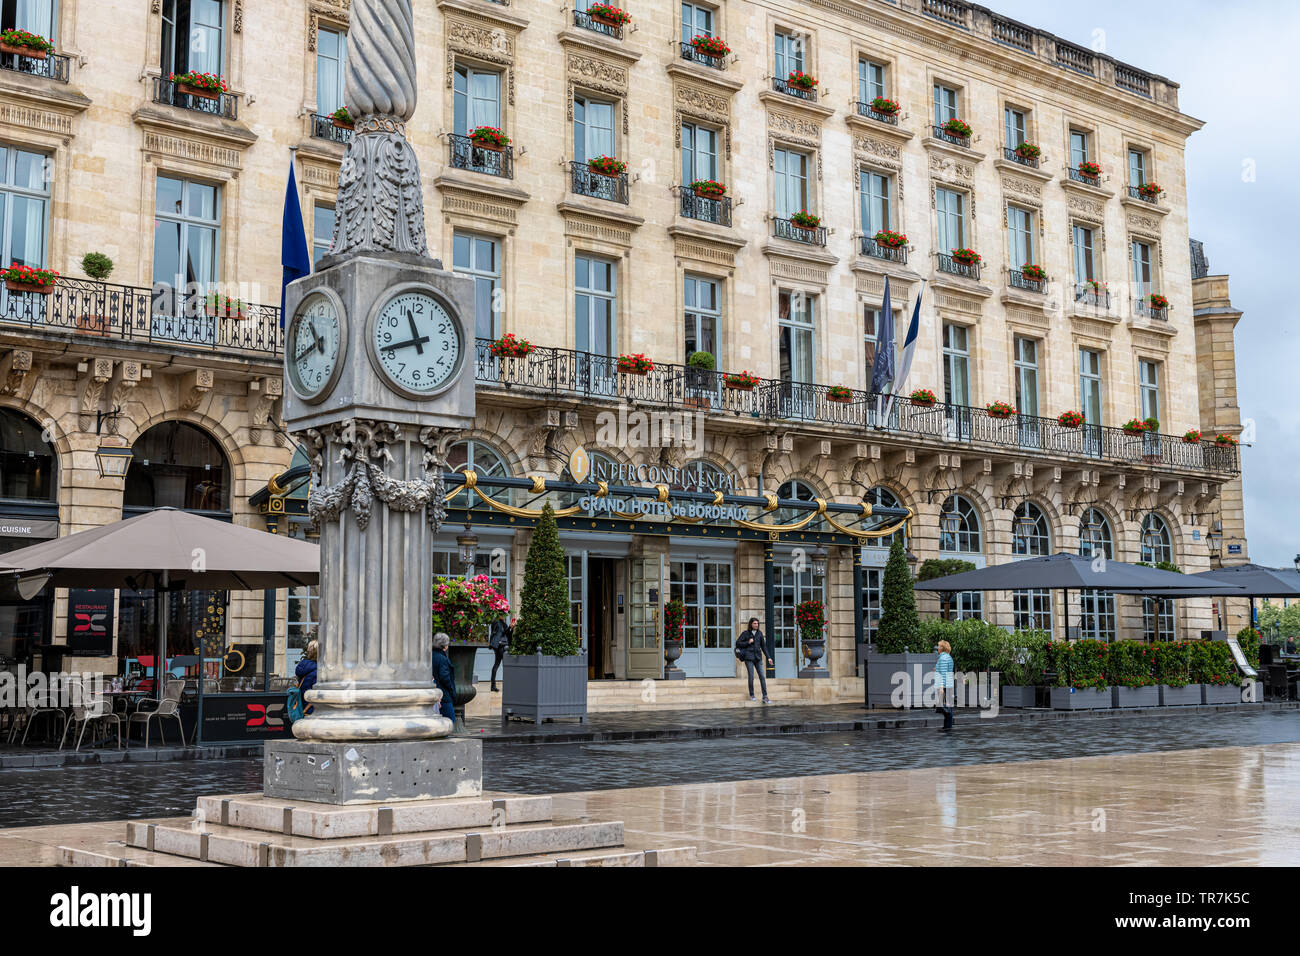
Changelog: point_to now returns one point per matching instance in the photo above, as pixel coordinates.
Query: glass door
(645, 656)
(796, 322)
(595, 334)
(1090, 399)
(956, 380)
(1027, 392)
(705, 589)
(792, 587)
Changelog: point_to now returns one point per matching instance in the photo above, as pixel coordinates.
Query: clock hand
(320, 340)
(419, 342)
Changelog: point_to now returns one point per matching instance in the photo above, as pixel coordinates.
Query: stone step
(298, 818)
(236, 846)
(676, 856)
(120, 855)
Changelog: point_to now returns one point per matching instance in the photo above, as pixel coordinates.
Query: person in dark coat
(499, 640)
(306, 673)
(751, 649)
(444, 676)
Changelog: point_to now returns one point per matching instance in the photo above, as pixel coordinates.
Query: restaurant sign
(229, 718)
(90, 621)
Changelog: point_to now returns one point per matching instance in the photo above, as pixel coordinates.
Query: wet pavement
(134, 791)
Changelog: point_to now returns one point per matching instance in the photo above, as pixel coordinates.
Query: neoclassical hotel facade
(104, 152)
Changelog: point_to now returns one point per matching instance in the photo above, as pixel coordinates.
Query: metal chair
(35, 711)
(98, 709)
(169, 706)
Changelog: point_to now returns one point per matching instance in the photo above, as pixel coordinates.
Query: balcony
(695, 56)
(889, 253)
(704, 209)
(587, 22)
(864, 109)
(789, 89)
(587, 182)
(786, 229)
(1017, 280)
(585, 376)
(322, 127)
(466, 154)
(1144, 308)
(949, 11)
(1135, 192)
(113, 313)
(1013, 157)
(1012, 34)
(1078, 177)
(966, 270)
(52, 66)
(169, 93)
(1088, 293)
(1075, 58)
(942, 134)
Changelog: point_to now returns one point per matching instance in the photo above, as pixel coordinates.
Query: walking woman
(443, 675)
(943, 683)
(751, 649)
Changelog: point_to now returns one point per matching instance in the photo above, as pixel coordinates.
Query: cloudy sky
(1231, 62)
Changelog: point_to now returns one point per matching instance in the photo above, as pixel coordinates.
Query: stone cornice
(486, 11)
(1141, 206)
(487, 187)
(694, 231)
(771, 98)
(193, 132)
(597, 43)
(685, 69)
(861, 124)
(1010, 168)
(935, 145)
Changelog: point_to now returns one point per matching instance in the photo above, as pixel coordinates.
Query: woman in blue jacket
(306, 673)
(443, 675)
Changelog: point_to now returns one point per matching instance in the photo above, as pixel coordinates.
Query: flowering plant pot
(1091, 170)
(999, 410)
(742, 381)
(839, 393)
(1069, 419)
(508, 346)
(802, 80)
(1028, 151)
(1033, 273)
(1150, 190)
(636, 364)
(1134, 427)
(955, 127)
(342, 119)
(1157, 301)
(24, 43)
(223, 305)
(923, 397)
(26, 279)
(607, 166)
(1225, 441)
(1192, 437)
(882, 105)
(489, 137)
(710, 46)
(890, 239)
(967, 257)
(708, 189)
(208, 86)
(805, 220)
(609, 14)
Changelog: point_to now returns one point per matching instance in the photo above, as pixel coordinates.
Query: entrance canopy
(1070, 571)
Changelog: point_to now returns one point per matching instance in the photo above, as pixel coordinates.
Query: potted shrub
(1135, 426)
(1028, 151)
(1150, 191)
(635, 364)
(890, 239)
(1192, 437)
(674, 636)
(897, 664)
(810, 618)
(1090, 169)
(607, 166)
(545, 668)
(801, 80)
(608, 14)
(1213, 667)
(1033, 273)
(710, 46)
(999, 410)
(1156, 301)
(342, 119)
(26, 279)
(1020, 659)
(885, 106)
(923, 397)
(464, 610)
(742, 381)
(26, 44)
(956, 127)
(1081, 679)
(1173, 675)
(99, 267)
(1131, 669)
(699, 366)
(966, 257)
(489, 138)
(508, 346)
(208, 86)
(839, 393)
(1069, 419)
(1225, 441)
(803, 219)
(708, 189)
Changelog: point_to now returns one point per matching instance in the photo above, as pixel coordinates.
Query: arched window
(1031, 535)
(1157, 547)
(485, 461)
(27, 461)
(959, 527)
(1097, 608)
(177, 465)
(880, 497)
(798, 491)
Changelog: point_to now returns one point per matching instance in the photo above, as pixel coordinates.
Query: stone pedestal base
(814, 673)
(673, 672)
(341, 772)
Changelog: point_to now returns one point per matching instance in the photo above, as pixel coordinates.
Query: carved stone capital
(13, 370)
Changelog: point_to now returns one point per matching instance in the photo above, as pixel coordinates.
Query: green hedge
(1173, 663)
(1020, 656)
(1212, 663)
(1082, 664)
(1249, 639)
(1131, 664)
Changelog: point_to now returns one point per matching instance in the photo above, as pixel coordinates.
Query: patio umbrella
(1255, 580)
(1067, 571)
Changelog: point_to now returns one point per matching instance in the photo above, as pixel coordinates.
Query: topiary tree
(544, 625)
(97, 265)
(900, 628)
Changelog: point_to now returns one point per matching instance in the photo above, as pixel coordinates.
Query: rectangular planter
(1135, 696)
(1087, 698)
(541, 687)
(1180, 696)
(882, 680)
(1023, 696)
(1220, 694)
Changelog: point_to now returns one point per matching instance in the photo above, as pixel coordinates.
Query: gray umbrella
(1069, 571)
(1255, 580)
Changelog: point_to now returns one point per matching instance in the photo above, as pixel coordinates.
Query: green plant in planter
(544, 625)
(1131, 664)
(1249, 640)
(701, 360)
(1162, 566)
(899, 628)
(1021, 657)
(1173, 663)
(1212, 663)
(674, 620)
(1082, 664)
(97, 265)
(975, 644)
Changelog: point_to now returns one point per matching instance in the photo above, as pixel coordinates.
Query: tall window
(1080, 147)
(594, 307)
(699, 153)
(871, 316)
(185, 234)
(697, 21)
(34, 16)
(1090, 385)
(703, 300)
(1097, 617)
(177, 465)
(479, 257)
(1014, 125)
(1026, 363)
(959, 533)
(322, 232)
(1137, 167)
(1031, 607)
(945, 104)
(950, 207)
(331, 54)
(788, 50)
(24, 205)
(1084, 263)
(791, 180)
(796, 323)
(873, 576)
(192, 36)
(1149, 385)
(874, 194)
(871, 80)
(1020, 223)
(477, 99)
(1141, 252)
(593, 128)
(956, 364)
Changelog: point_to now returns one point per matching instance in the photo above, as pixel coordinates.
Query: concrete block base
(358, 772)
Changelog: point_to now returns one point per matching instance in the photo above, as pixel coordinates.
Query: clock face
(314, 346)
(416, 342)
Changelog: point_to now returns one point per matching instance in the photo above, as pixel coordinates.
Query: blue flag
(882, 372)
(295, 260)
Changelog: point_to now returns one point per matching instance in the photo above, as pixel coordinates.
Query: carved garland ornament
(703, 107)
(333, 10)
(593, 74)
(491, 45)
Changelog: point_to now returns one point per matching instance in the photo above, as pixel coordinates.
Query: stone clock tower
(379, 363)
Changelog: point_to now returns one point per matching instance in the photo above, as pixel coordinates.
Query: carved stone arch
(57, 438)
(514, 461)
(215, 429)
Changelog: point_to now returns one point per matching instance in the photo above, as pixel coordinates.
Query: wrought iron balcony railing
(1014, 157)
(865, 109)
(466, 154)
(789, 89)
(586, 375)
(1018, 280)
(689, 52)
(947, 137)
(322, 127)
(878, 251)
(587, 22)
(53, 66)
(587, 182)
(969, 270)
(1135, 192)
(1143, 307)
(1081, 177)
(137, 314)
(1088, 293)
(169, 93)
(787, 229)
(717, 211)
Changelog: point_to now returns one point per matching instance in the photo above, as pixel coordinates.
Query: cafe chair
(99, 710)
(35, 711)
(168, 707)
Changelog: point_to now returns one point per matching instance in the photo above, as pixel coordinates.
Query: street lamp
(467, 546)
(113, 455)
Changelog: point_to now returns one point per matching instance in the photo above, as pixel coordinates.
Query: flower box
(1192, 438)
(212, 311)
(839, 393)
(1069, 419)
(1220, 694)
(199, 91)
(508, 346)
(1180, 696)
(607, 166)
(32, 52)
(489, 138)
(1091, 170)
(1135, 696)
(710, 46)
(1082, 698)
(885, 106)
(890, 239)
(1019, 696)
(542, 687)
(955, 127)
(342, 119)
(741, 381)
(340, 124)
(801, 80)
(1028, 151)
(29, 287)
(923, 397)
(898, 680)
(999, 410)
